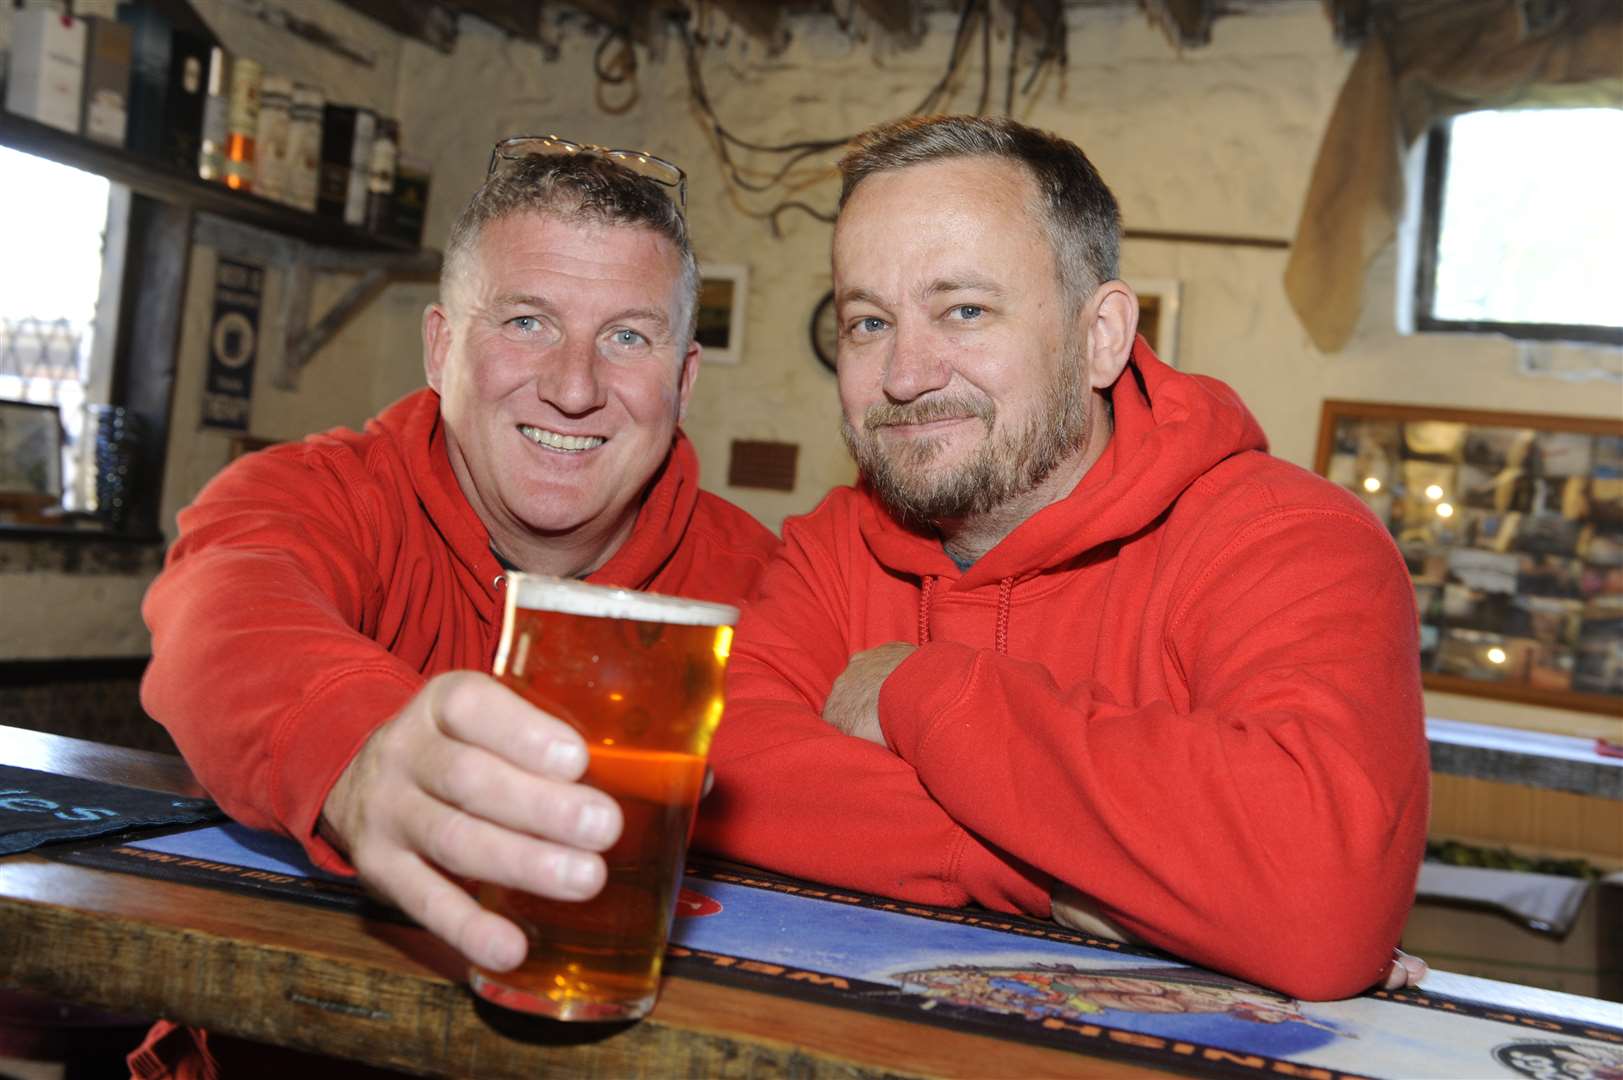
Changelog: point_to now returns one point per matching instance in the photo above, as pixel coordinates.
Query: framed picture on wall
(723, 298)
(1158, 302)
(1512, 528)
(30, 455)
(248, 444)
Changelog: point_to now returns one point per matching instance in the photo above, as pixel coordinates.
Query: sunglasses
(657, 169)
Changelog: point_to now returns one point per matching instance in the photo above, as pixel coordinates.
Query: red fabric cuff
(921, 693)
(318, 741)
(1003, 883)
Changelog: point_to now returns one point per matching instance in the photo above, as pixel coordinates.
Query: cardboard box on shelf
(45, 79)
(105, 109)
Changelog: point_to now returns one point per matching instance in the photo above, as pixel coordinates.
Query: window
(54, 219)
(1521, 227)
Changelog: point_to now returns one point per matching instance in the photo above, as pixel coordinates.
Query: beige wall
(1216, 140)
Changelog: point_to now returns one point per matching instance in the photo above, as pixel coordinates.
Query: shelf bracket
(299, 262)
(300, 346)
(297, 285)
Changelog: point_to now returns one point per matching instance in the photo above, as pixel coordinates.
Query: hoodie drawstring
(1005, 590)
(1005, 594)
(924, 609)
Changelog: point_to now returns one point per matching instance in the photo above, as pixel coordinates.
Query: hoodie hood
(1171, 428)
(416, 429)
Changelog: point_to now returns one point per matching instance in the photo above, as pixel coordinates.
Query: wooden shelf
(246, 226)
(157, 181)
(1605, 704)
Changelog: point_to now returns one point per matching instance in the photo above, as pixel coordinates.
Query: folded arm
(1272, 824)
(796, 795)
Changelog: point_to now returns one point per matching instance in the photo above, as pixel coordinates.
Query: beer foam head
(541, 593)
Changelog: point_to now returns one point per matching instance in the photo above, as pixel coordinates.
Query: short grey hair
(1082, 217)
(582, 189)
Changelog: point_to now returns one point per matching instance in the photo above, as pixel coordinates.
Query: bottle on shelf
(409, 206)
(242, 124)
(304, 146)
(347, 132)
(107, 81)
(217, 99)
(380, 181)
(271, 141)
(169, 69)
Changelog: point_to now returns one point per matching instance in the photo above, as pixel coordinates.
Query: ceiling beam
(607, 12)
(520, 18)
(764, 22)
(1187, 23)
(428, 21)
(636, 18)
(1039, 18)
(1350, 20)
(898, 18)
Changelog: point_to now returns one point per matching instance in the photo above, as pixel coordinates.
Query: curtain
(1424, 61)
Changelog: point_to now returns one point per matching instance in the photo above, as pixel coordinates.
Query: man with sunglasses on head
(321, 626)
(1075, 645)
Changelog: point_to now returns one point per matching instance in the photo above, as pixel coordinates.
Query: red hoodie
(1190, 690)
(316, 586)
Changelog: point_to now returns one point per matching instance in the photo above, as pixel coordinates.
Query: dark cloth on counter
(41, 808)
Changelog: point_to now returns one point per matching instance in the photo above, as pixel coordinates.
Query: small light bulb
(1372, 484)
(1434, 492)
(1445, 510)
(1496, 655)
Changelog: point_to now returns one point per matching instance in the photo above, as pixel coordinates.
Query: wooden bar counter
(338, 984)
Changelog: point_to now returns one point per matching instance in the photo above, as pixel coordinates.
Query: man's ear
(1111, 318)
(436, 342)
(690, 373)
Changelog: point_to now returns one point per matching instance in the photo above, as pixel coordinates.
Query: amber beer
(640, 676)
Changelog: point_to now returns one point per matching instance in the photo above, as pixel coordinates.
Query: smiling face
(962, 361)
(562, 371)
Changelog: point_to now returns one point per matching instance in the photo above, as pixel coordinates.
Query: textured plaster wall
(1219, 140)
(49, 615)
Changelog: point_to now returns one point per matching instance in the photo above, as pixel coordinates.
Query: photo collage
(1513, 535)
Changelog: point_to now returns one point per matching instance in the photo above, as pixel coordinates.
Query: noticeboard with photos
(1512, 528)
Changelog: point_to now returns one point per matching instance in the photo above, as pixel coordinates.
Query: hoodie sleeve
(258, 670)
(795, 795)
(1272, 824)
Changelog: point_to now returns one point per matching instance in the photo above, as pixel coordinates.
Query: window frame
(112, 371)
(96, 375)
(133, 358)
(1433, 181)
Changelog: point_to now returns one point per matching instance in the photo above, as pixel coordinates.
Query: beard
(1004, 466)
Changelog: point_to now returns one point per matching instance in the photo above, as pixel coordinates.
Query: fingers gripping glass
(654, 168)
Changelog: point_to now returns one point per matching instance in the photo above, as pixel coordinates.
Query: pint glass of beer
(640, 677)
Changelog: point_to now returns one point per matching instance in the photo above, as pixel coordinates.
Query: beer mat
(42, 808)
(1004, 976)
(1037, 982)
(234, 858)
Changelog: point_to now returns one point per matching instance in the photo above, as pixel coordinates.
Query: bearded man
(1075, 645)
